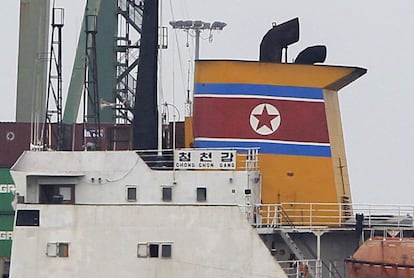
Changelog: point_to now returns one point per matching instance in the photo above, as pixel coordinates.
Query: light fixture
(218, 25)
(197, 26)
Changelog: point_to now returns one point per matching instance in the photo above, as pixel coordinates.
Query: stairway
(295, 249)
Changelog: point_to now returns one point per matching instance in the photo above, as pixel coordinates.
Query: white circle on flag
(265, 119)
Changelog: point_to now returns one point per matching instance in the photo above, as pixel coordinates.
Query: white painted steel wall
(207, 241)
(102, 178)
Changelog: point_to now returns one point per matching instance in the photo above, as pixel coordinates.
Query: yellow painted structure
(294, 178)
(243, 72)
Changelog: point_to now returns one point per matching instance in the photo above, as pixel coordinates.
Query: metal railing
(300, 268)
(316, 215)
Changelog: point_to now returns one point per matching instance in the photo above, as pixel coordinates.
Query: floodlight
(176, 24)
(187, 24)
(206, 25)
(218, 25)
(198, 24)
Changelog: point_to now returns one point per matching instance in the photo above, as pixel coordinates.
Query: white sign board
(204, 159)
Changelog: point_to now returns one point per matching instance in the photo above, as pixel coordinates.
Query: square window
(63, 249)
(166, 193)
(153, 250)
(57, 249)
(201, 194)
(142, 250)
(27, 218)
(166, 251)
(131, 193)
(56, 194)
(52, 250)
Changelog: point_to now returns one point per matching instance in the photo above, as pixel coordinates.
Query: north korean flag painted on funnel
(277, 119)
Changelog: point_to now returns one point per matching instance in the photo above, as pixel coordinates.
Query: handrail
(300, 268)
(317, 215)
(332, 269)
(285, 215)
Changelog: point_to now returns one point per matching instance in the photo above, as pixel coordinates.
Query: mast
(54, 89)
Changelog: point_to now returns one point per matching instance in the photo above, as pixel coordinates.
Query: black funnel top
(311, 55)
(277, 38)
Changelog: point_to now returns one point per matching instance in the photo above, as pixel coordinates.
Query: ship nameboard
(205, 159)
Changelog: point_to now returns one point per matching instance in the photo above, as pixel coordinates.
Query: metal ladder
(295, 249)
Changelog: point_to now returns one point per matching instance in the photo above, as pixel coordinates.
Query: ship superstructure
(90, 207)
(255, 186)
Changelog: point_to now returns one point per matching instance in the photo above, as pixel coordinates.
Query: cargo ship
(253, 183)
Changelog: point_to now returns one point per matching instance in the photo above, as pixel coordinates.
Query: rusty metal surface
(383, 257)
(15, 139)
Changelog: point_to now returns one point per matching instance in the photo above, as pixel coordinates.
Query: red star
(265, 119)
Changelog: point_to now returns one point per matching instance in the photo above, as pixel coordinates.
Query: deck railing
(301, 268)
(300, 215)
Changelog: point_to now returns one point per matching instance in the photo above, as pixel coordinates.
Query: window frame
(166, 253)
(57, 249)
(54, 189)
(153, 250)
(142, 247)
(160, 250)
(201, 190)
(128, 187)
(28, 217)
(164, 190)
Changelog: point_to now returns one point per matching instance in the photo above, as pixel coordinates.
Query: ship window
(166, 193)
(56, 194)
(153, 250)
(142, 250)
(58, 249)
(166, 251)
(27, 218)
(131, 193)
(66, 193)
(201, 194)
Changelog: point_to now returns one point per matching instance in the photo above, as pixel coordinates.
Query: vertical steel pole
(197, 44)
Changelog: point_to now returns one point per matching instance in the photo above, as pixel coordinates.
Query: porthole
(10, 136)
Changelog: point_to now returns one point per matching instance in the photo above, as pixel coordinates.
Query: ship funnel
(311, 55)
(277, 38)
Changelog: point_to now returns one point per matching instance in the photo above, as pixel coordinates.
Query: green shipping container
(6, 227)
(6, 212)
